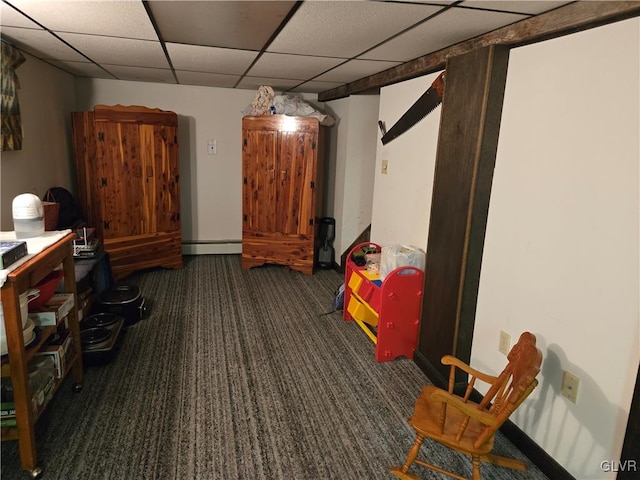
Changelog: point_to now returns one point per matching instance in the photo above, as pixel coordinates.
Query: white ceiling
(310, 46)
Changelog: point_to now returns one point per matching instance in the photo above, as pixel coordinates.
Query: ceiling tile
(354, 70)
(519, 6)
(316, 87)
(245, 25)
(119, 51)
(278, 84)
(41, 44)
(114, 18)
(141, 74)
(438, 2)
(324, 28)
(12, 18)
(82, 69)
(453, 26)
(207, 79)
(277, 65)
(210, 59)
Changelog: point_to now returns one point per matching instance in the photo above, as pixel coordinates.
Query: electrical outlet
(505, 342)
(570, 384)
(212, 147)
(385, 167)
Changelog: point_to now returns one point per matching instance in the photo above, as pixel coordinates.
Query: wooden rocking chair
(469, 427)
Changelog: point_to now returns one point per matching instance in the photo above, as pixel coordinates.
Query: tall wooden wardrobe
(282, 162)
(128, 184)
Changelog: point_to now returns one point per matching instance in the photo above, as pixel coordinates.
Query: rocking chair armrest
(456, 362)
(470, 409)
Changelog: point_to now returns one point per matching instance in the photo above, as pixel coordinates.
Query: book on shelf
(8, 422)
(11, 252)
(7, 409)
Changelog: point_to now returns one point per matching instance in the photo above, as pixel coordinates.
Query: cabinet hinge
(244, 180)
(101, 136)
(313, 146)
(313, 184)
(311, 221)
(106, 225)
(244, 218)
(104, 182)
(244, 142)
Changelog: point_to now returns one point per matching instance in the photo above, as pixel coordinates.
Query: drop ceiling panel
(242, 25)
(210, 59)
(316, 87)
(141, 74)
(518, 6)
(82, 69)
(433, 2)
(41, 44)
(350, 28)
(11, 18)
(118, 51)
(279, 65)
(278, 84)
(114, 18)
(354, 70)
(453, 26)
(207, 79)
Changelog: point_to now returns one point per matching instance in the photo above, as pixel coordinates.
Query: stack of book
(11, 252)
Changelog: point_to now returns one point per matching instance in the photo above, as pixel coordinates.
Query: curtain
(12, 58)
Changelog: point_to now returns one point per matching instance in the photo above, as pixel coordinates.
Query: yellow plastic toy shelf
(388, 311)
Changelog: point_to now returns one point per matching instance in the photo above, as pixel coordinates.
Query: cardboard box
(58, 306)
(61, 354)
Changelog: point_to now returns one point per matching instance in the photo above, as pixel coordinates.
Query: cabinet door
(120, 170)
(296, 183)
(138, 170)
(160, 179)
(259, 180)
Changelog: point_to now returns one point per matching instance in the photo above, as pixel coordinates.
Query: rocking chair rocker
(469, 427)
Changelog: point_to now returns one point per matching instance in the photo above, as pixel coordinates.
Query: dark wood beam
(574, 17)
(465, 160)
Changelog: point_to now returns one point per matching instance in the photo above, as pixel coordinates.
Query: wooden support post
(467, 144)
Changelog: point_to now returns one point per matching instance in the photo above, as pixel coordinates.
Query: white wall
(562, 255)
(402, 197)
(46, 158)
(353, 158)
(562, 248)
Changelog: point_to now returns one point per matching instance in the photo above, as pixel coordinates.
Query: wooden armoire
(128, 184)
(282, 162)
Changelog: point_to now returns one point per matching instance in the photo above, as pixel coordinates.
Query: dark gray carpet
(238, 375)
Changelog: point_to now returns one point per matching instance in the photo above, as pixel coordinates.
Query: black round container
(125, 300)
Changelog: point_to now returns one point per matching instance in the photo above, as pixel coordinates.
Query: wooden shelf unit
(387, 311)
(15, 365)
